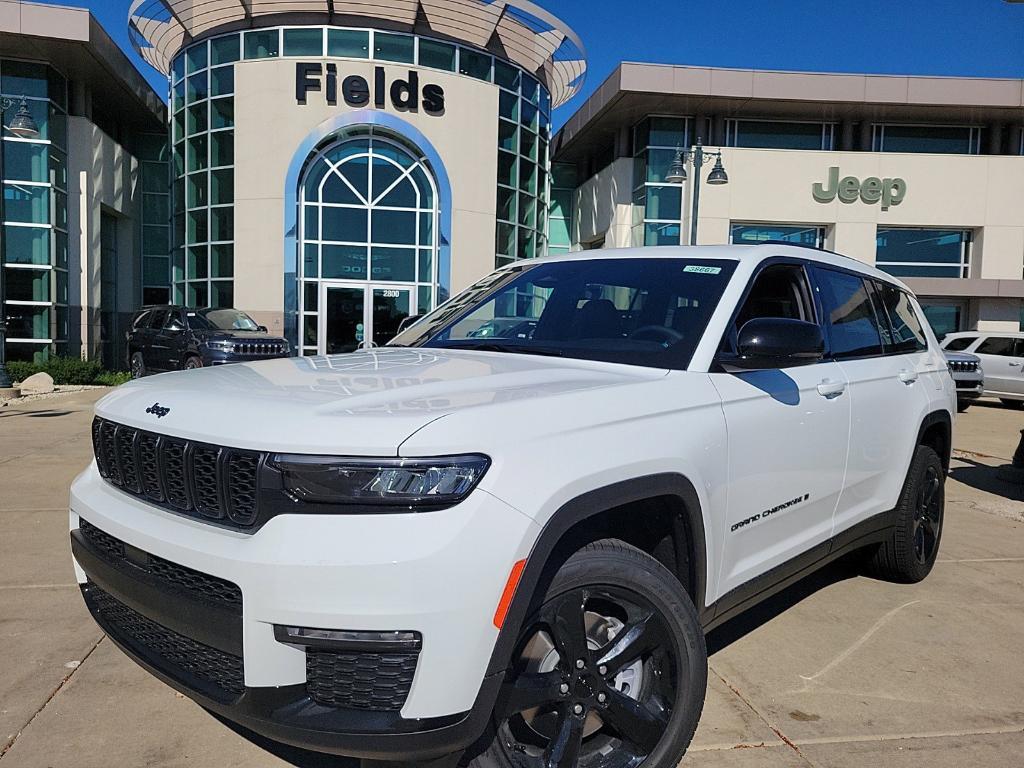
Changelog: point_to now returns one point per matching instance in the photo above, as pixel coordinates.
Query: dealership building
(920, 176)
(333, 166)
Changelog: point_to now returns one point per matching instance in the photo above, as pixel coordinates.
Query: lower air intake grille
(177, 655)
(358, 680)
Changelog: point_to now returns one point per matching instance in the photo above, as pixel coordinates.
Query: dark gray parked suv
(171, 338)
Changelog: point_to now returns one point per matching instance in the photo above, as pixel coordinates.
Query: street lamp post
(677, 175)
(24, 127)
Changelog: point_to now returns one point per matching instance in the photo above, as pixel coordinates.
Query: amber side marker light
(510, 591)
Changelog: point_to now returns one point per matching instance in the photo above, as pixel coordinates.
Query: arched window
(368, 213)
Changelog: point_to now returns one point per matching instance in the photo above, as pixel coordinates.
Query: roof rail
(810, 248)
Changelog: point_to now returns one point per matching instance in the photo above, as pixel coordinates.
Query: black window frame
(727, 344)
(826, 322)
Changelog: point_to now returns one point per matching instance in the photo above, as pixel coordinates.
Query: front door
(1002, 359)
(361, 315)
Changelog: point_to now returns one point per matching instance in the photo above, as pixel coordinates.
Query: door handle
(908, 377)
(829, 388)
(1015, 365)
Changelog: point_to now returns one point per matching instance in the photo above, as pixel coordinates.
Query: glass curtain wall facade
(202, 141)
(563, 186)
(920, 252)
(35, 225)
(151, 150)
(657, 204)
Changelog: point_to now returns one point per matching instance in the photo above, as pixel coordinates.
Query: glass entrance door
(359, 315)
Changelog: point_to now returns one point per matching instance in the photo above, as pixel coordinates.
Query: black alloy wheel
(928, 521)
(192, 362)
(610, 672)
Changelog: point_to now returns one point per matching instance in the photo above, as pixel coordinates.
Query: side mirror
(774, 342)
(408, 321)
(262, 328)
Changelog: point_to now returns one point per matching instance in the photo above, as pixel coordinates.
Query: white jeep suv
(506, 550)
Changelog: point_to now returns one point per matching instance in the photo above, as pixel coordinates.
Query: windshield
(221, 320)
(637, 311)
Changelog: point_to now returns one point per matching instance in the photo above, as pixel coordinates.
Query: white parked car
(1002, 359)
(508, 550)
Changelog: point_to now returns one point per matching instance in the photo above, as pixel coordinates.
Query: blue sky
(920, 37)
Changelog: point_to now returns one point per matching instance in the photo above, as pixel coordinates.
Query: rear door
(887, 381)
(152, 345)
(1001, 359)
(788, 431)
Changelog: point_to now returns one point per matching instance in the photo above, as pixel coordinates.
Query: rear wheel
(910, 552)
(610, 672)
(137, 366)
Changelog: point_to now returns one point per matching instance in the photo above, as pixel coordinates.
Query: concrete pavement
(839, 670)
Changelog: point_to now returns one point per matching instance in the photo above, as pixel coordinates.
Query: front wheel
(137, 366)
(192, 362)
(610, 671)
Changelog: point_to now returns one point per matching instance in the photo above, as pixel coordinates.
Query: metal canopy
(518, 30)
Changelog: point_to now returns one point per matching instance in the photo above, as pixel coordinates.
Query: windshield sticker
(702, 270)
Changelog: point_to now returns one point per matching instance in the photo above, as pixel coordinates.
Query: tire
(909, 553)
(641, 705)
(192, 362)
(137, 365)
(1015, 404)
(962, 405)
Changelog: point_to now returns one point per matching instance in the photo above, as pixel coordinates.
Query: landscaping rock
(37, 384)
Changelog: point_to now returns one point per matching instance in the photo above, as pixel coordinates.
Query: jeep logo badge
(158, 410)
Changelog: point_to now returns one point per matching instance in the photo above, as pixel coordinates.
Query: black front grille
(174, 577)
(963, 366)
(176, 655)
(196, 479)
(360, 680)
(260, 348)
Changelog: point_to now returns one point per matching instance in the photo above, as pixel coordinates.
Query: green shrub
(113, 378)
(67, 370)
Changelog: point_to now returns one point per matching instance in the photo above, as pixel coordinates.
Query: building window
(369, 214)
(772, 134)
(944, 317)
(911, 252)
(151, 150)
(657, 203)
(939, 139)
(563, 186)
(35, 225)
(752, 234)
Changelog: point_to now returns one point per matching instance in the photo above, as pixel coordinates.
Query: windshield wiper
(492, 346)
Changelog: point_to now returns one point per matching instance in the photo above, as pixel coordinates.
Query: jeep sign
(849, 188)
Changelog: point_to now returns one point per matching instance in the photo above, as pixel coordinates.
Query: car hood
(364, 403)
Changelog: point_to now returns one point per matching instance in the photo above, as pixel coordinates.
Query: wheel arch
(567, 531)
(937, 432)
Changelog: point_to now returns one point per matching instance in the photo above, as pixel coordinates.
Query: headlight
(224, 346)
(423, 483)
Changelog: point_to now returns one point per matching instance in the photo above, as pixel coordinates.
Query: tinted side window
(156, 320)
(959, 344)
(141, 320)
(906, 334)
(996, 345)
(852, 324)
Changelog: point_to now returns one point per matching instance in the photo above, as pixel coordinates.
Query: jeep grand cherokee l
(506, 551)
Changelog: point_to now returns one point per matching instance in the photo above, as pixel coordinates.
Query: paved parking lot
(837, 671)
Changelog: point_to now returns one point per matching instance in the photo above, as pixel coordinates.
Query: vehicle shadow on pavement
(301, 758)
(983, 477)
(735, 629)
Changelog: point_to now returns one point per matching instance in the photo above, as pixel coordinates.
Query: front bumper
(969, 386)
(439, 574)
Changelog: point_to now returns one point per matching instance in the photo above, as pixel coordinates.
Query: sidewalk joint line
(51, 697)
